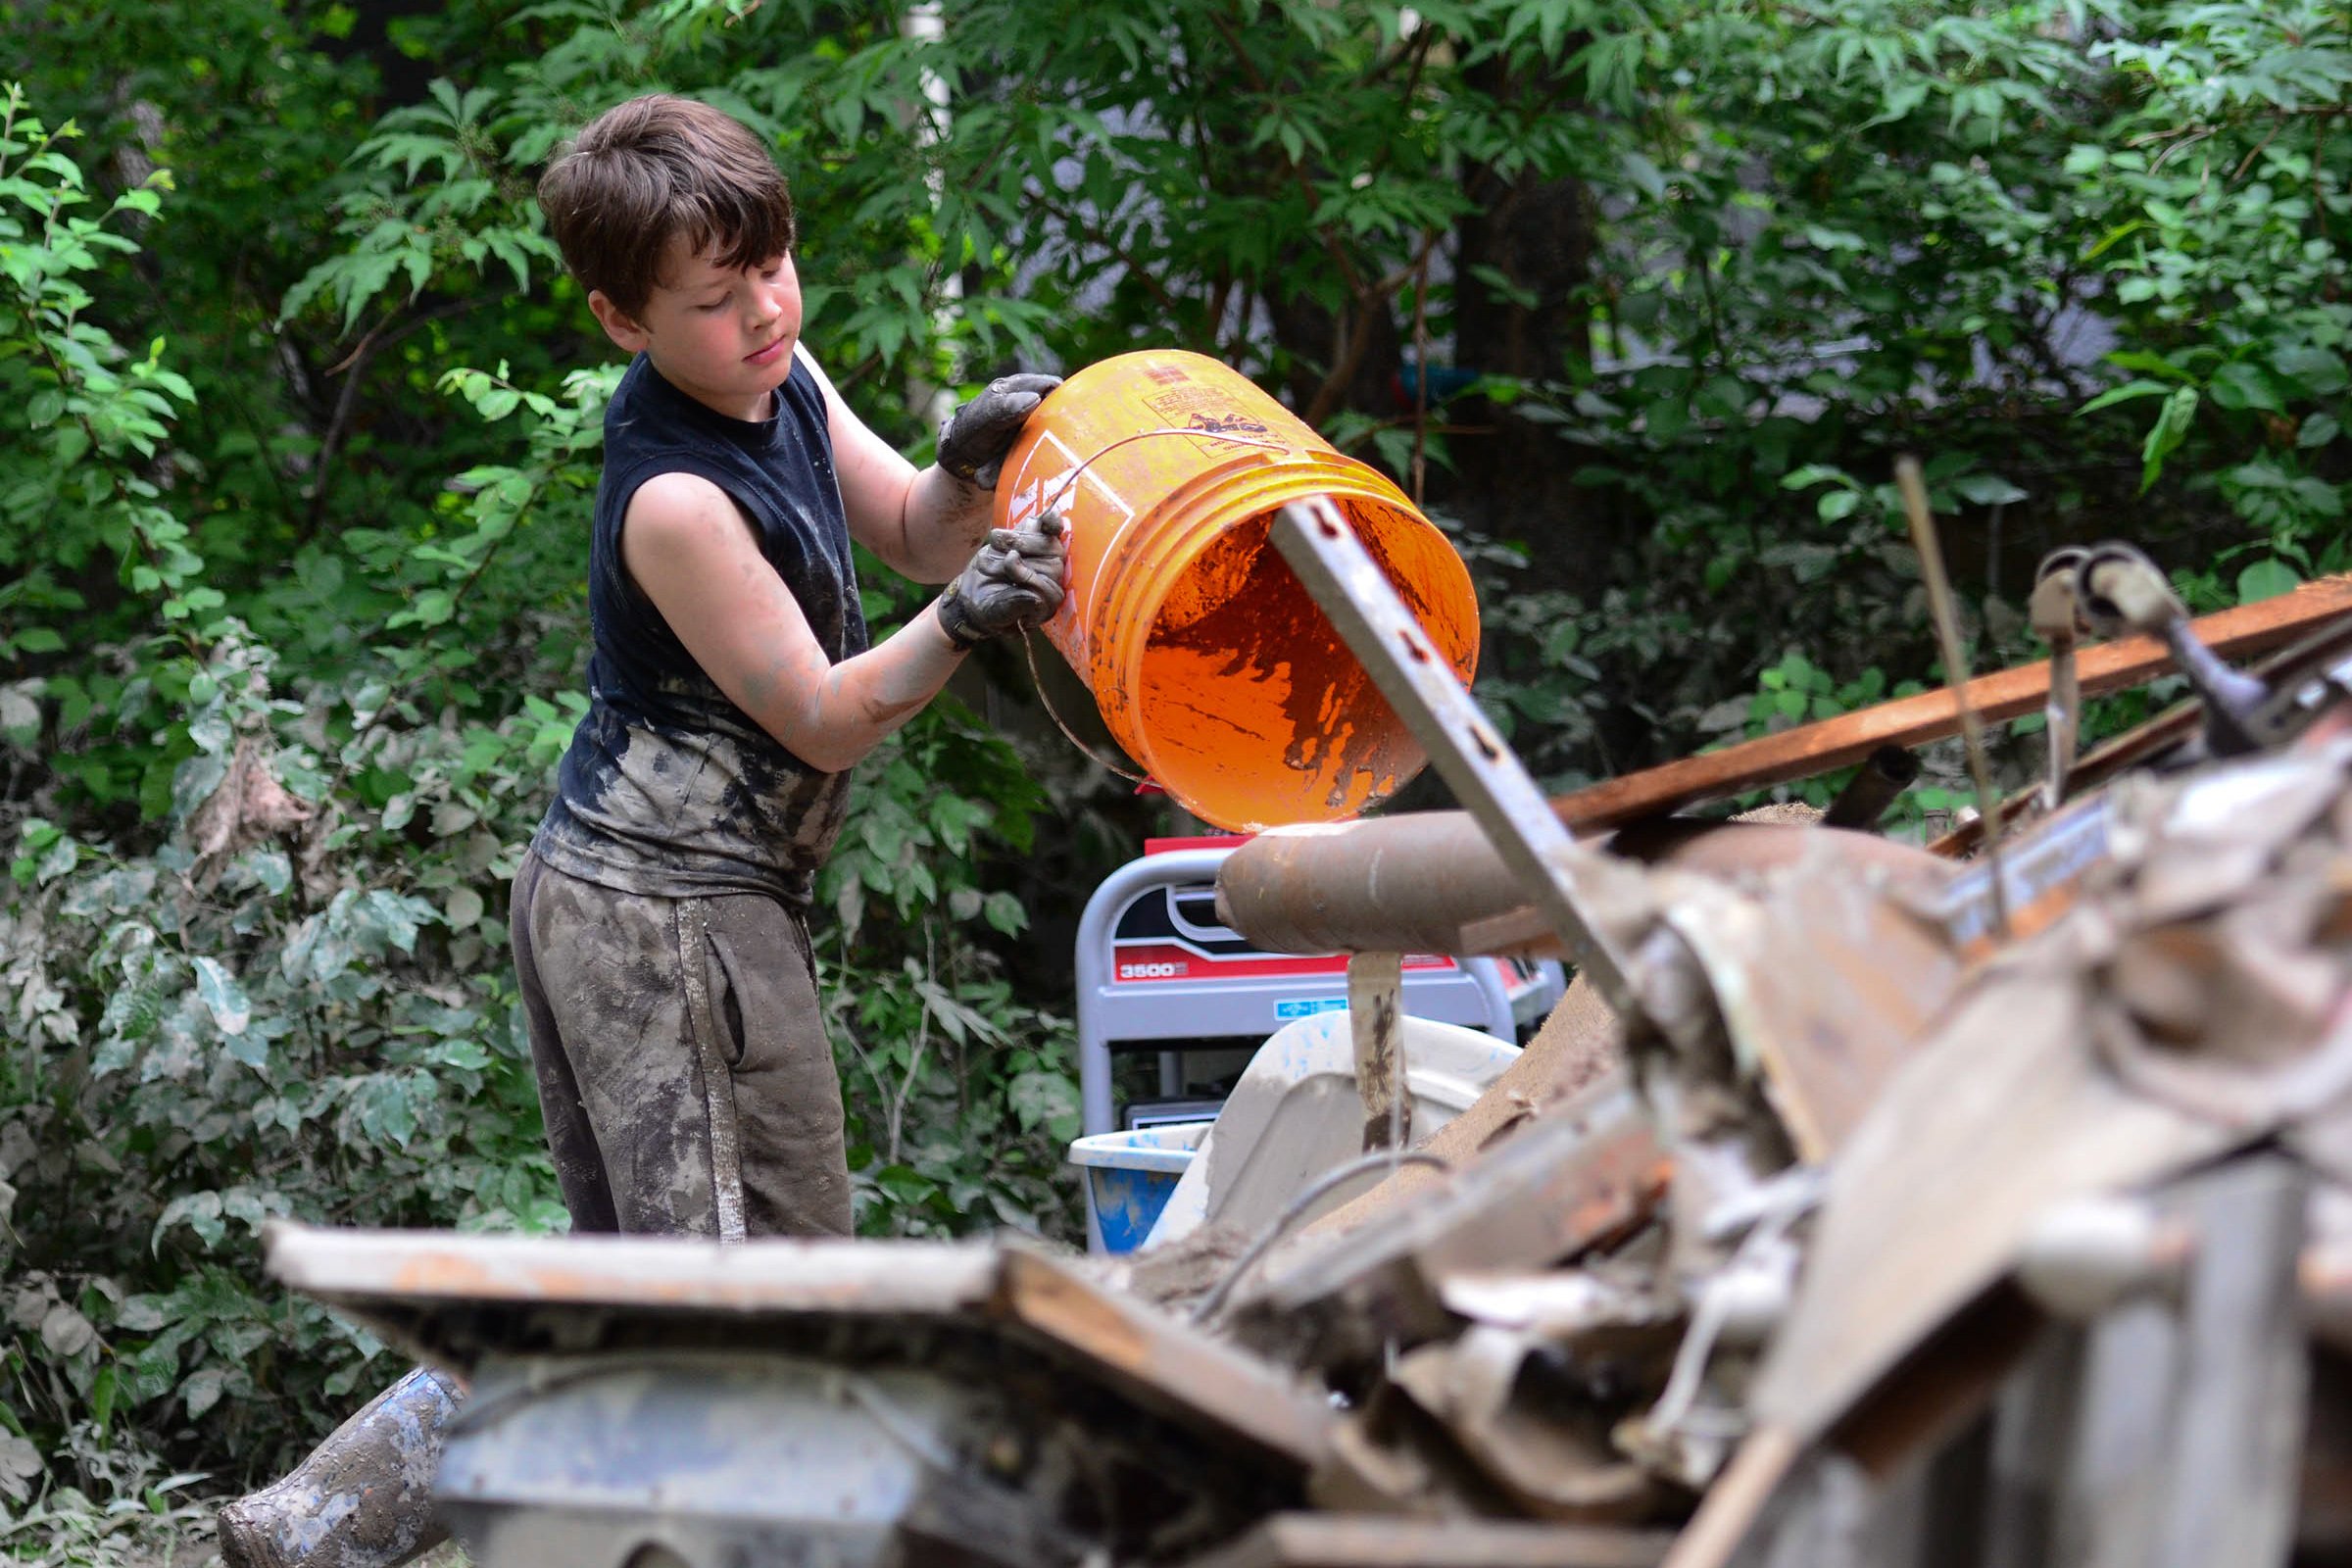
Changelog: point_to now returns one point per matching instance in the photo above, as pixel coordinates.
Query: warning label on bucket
(1205, 409)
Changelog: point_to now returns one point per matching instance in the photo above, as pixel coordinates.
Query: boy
(657, 920)
(658, 925)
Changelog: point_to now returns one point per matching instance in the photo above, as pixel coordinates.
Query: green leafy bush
(258, 845)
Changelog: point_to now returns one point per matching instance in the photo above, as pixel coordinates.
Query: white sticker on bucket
(1023, 504)
(1054, 486)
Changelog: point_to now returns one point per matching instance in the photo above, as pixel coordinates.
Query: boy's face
(722, 336)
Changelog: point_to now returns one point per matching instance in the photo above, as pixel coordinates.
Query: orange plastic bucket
(1210, 664)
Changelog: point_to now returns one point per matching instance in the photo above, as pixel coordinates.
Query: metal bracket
(1591, 902)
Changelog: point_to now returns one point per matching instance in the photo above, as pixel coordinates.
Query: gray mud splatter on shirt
(668, 788)
(675, 812)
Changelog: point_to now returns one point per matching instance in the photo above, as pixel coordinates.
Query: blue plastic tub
(1127, 1179)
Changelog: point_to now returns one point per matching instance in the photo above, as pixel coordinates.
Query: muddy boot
(364, 1496)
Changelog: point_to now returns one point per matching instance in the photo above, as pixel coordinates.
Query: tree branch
(355, 365)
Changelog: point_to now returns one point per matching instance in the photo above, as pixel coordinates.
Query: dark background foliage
(298, 421)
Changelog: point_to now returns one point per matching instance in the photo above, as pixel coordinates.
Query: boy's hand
(1014, 582)
(973, 442)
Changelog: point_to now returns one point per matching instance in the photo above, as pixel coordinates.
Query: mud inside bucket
(1209, 663)
(1248, 708)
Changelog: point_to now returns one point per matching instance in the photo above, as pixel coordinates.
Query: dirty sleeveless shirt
(669, 789)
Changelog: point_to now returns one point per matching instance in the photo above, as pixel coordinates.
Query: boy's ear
(618, 325)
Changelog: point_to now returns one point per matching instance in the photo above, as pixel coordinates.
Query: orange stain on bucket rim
(1209, 663)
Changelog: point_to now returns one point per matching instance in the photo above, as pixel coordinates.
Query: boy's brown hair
(653, 168)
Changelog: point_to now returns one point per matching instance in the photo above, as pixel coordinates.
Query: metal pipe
(1884, 774)
(1430, 881)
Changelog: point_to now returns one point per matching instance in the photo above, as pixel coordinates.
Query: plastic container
(1127, 1179)
(1296, 1113)
(1209, 663)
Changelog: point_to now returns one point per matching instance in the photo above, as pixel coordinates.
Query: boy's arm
(927, 524)
(692, 554)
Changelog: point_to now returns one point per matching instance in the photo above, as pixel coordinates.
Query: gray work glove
(1014, 582)
(973, 442)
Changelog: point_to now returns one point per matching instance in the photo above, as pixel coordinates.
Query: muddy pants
(682, 1062)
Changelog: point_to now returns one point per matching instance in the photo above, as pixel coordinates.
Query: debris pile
(1862, 1205)
(1585, 1321)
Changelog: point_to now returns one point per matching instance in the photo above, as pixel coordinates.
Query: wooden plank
(1167, 1365)
(2034, 1424)
(2299, 661)
(412, 1283)
(2108, 1483)
(1731, 1508)
(1384, 1540)
(660, 1272)
(1825, 982)
(1908, 722)
(2005, 1112)
(1584, 1170)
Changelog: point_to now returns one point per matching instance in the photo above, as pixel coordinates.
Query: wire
(1382, 1160)
(1071, 479)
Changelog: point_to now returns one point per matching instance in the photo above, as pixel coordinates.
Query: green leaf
(2239, 385)
(1667, 419)
(1005, 913)
(1813, 474)
(2124, 394)
(102, 1397)
(2166, 435)
(467, 1054)
(1900, 100)
(2153, 363)
(1644, 175)
(222, 996)
(1987, 489)
(2266, 580)
(2312, 370)
(1046, 1099)
(203, 1390)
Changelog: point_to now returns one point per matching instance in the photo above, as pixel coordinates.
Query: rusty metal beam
(1908, 722)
